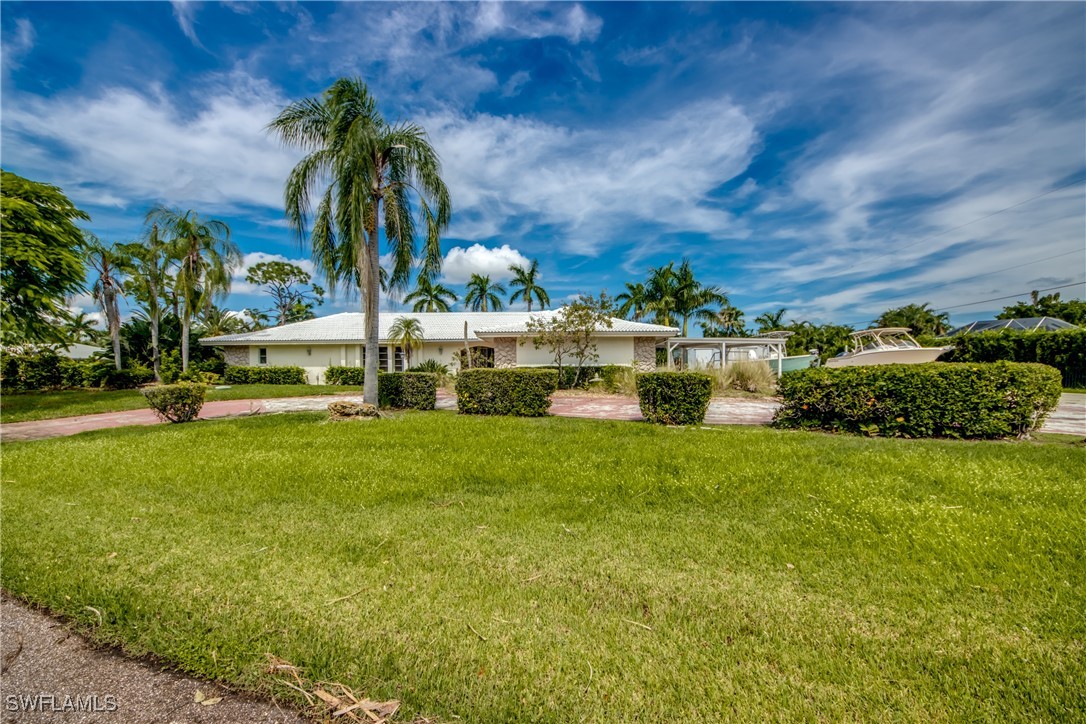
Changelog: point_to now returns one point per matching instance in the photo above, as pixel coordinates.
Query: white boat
(886, 346)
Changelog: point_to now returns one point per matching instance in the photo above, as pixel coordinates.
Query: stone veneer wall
(645, 354)
(236, 356)
(505, 352)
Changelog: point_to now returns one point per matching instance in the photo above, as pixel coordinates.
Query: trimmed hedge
(407, 390)
(44, 369)
(674, 398)
(1065, 350)
(337, 375)
(937, 399)
(176, 403)
(518, 392)
(264, 376)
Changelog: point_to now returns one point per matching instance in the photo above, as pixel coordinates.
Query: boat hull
(863, 358)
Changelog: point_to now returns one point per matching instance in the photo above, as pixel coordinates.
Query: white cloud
(461, 263)
(512, 86)
(146, 146)
(184, 11)
(238, 285)
(15, 48)
(571, 22)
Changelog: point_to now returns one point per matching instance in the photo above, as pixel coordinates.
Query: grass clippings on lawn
(549, 569)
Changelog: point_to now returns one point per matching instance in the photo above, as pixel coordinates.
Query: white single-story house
(338, 340)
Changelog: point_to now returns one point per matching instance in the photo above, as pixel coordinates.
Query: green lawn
(69, 403)
(557, 569)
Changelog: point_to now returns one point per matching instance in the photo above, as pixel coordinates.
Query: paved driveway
(1069, 418)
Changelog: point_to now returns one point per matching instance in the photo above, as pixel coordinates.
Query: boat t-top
(884, 346)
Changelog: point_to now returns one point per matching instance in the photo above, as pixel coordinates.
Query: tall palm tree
(107, 262)
(149, 284)
(366, 171)
(920, 318)
(661, 289)
(727, 322)
(694, 300)
(632, 301)
(205, 258)
(768, 321)
(430, 296)
(80, 328)
(482, 295)
(406, 332)
(526, 286)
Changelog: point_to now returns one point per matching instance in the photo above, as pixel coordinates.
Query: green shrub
(264, 376)
(73, 372)
(608, 375)
(176, 403)
(407, 391)
(169, 366)
(1065, 350)
(961, 400)
(344, 375)
(674, 398)
(31, 369)
(432, 366)
(115, 379)
(519, 392)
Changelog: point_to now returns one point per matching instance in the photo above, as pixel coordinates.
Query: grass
(69, 403)
(555, 569)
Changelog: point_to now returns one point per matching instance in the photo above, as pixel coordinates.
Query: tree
(41, 260)
(206, 259)
(570, 333)
(692, 299)
(406, 332)
(217, 321)
(482, 295)
(727, 322)
(108, 263)
(828, 339)
(1072, 311)
(660, 291)
(918, 317)
(149, 283)
(369, 170)
(632, 302)
(526, 287)
(429, 296)
(290, 287)
(80, 328)
(258, 320)
(769, 321)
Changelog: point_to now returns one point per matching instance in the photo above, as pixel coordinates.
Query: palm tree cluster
(672, 296)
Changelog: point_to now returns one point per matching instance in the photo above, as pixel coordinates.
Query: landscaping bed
(496, 569)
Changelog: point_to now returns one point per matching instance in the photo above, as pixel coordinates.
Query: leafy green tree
(674, 296)
(632, 302)
(429, 296)
(660, 291)
(694, 300)
(290, 287)
(205, 258)
(828, 339)
(726, 322)
(108, 262)
(482, 294)
(526, 286)
(406, 332)
(570, 334)
(920, 318)
(216, 321)
(368, 170)
(148, 284)
(1072, 311)
(41, 259)
(258, 319)
(770, 321)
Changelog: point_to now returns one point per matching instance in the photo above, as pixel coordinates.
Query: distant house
(502, 337)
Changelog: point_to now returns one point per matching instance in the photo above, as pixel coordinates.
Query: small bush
(123, 379)
(264, 376)
(343, 410)
(73, 372)
(407, 391)
(336, 375)
(961, 400)
(31, 369)
(674, 398)
(519, 392)
(432, 366)
(176, 403)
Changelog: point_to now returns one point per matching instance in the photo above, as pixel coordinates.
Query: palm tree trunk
(115, 335)
(186, 322)
(155, 362)
(373, 291)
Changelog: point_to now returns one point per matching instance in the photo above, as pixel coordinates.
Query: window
(263, 353)
(399, 359)
(382, 358)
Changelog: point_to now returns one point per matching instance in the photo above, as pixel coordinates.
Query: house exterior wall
(505, 352)
(644, 358)
(611, 351)
(237, 356)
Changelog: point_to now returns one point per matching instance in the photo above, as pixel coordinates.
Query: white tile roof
(436, 327)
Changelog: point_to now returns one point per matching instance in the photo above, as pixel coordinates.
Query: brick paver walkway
(1069, 418)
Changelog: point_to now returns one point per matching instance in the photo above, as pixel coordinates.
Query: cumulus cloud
(460, 263)
(144, 145)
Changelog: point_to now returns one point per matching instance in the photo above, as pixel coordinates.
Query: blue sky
(834, 159)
